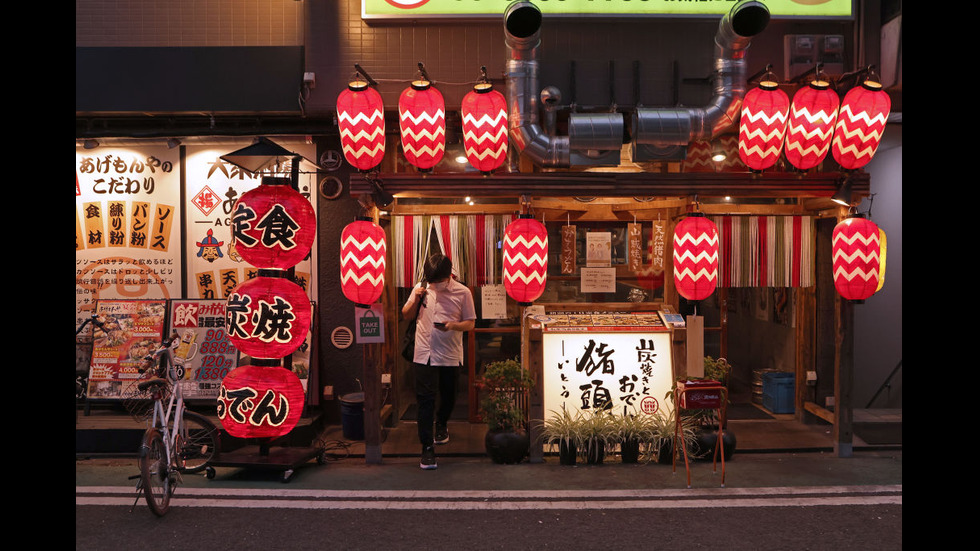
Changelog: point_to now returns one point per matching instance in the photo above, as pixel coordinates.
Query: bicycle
(178, 440)
(84, 356)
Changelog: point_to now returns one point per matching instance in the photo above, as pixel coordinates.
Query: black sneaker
(428, 458)
(442, 434)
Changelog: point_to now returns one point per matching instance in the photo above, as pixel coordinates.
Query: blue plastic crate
(777, 392)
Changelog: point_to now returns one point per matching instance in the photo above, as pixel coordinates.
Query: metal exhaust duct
(658, 133)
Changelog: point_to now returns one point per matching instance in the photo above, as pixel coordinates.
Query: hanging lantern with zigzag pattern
(811, 124)
(856, 257)
(362, 262)
(860, 124)
(422, 121)
(762, 126)
(484, 112)
(525, 259)
(361, 121)
(696, 257)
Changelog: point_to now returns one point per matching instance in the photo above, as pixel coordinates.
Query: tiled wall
(172, 23)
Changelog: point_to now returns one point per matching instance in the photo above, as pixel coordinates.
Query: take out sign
(394, 9)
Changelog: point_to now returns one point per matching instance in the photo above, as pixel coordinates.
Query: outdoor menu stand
(700, 395)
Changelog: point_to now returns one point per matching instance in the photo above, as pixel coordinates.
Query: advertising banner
(204, 347)
(127, 225)
(133, 329)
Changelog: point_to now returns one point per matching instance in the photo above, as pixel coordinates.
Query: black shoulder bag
(408, 344)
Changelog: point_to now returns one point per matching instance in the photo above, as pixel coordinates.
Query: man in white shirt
(447, 312)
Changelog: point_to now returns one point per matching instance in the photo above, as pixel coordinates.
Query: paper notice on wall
(598, 249)
(598, 280)
(493, 302)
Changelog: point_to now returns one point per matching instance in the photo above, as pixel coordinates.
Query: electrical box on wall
(802, 52)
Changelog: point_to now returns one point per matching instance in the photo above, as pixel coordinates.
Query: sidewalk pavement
(455, 473)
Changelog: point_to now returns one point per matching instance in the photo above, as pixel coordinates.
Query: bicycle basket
(139, 403)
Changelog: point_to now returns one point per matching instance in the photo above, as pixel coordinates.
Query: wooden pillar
(533, 357)
(844, 364)
(371, 382)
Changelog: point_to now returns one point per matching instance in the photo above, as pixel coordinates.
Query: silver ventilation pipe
(664, 133)
(655, 131)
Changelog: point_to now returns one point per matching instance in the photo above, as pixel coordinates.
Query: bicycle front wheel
(198, 442)
(155, 476)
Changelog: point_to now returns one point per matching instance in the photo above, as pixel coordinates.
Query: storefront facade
(597, 172)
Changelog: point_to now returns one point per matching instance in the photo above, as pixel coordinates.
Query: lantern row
(422, 125)
(267, 317)
(816, 122)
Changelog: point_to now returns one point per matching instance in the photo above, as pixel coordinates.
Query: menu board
(605, 321)
(133, 329)
(205, 351)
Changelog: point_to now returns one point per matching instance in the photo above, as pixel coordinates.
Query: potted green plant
(664, 430)
(504, 410)
(599, 432)
(565, 430)
(633, 432)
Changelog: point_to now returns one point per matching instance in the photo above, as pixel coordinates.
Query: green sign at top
(425, 9)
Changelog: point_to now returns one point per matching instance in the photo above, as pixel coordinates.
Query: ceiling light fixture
(90, 144)
(173, 142)
(843, 194)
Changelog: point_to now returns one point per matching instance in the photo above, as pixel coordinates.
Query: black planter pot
(567, 452)
(629, 451)
(707, 439)
(665, 454)
(595, 451)
(507, 447)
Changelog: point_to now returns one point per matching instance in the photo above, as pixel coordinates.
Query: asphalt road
(770, 501)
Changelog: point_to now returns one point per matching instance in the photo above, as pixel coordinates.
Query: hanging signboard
(370, 324)
(625, 369)
(634, 247)
(204, 345)
(446, 9)
(568, 249)
(133, 329)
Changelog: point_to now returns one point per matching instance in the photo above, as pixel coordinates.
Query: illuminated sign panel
(395, 9)
(628, 370)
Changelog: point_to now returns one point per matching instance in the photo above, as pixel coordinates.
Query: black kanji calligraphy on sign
(589, 365)
(239, 223)
(278, 229)
(273, 321)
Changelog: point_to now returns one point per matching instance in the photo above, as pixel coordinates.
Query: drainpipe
(655, 130)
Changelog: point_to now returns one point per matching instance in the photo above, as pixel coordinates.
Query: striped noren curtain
(470, 241)
(765, 251)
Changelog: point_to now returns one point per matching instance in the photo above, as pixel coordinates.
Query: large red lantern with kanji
(860, 124)
(422, 121)
(695, 257)
(273, 226)
(856, 258)
(361, 121)
(525, 259)
(811, 124)
(260, 401)
(484, 112)
(268, 316)
(362, 261)
(762, 126)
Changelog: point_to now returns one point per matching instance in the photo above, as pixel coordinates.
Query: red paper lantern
(811, 124)
(856, 258)
(260, 401)
(268, 317)
(273, 226)
(696, 257)
(361, 120)
(525, 259)
(860, 123)
(484, 112)
(422, 120)
(762, 126)
(362, 261)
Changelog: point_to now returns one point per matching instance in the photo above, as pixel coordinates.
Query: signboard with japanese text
(435, 9)
(622, 367)
(213, 266)
(204, 345)
(127, 225)
(133, 329)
